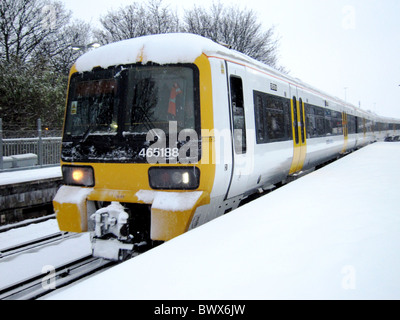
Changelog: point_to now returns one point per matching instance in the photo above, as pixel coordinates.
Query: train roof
(161, 49)
(186, 48)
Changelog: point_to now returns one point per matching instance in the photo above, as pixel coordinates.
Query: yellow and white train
(164, 133)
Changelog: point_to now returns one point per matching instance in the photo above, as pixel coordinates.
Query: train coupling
(111, 234)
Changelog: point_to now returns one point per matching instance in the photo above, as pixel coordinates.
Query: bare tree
(204, 22)
(137, 20)
(240, 29)
(24, 24)
(56, 50)
(30, 84)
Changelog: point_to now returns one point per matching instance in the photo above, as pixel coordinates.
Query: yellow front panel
(121, 182)
(166, 225)
(69, 217)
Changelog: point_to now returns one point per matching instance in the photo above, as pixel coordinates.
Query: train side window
(351, 123)
(275, 118)
(310, 121)
(328, 122)
(337, 123)
(239, 123)
(259, 117)
(320, 121)
(272, 117)
(288, 117)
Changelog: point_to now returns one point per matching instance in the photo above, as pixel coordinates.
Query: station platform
(333, 234)
(27, 193)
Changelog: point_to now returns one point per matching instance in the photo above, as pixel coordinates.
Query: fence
(22, 152)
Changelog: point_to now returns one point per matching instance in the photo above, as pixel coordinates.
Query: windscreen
(157, 96)
(117, 114)
(93, 108)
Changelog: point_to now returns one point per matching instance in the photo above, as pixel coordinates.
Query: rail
(34, 244)
(37, 287)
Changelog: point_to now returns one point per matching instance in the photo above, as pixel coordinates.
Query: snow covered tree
(56, 50)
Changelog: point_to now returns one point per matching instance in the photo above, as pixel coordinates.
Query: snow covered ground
(334, 234)
(13, 177)
(31, 263)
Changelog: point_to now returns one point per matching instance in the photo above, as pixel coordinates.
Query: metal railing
(20, 152)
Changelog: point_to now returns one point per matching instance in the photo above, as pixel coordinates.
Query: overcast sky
(330, 44)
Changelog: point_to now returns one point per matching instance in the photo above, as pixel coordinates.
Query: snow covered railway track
(40, 285)
(34, 244)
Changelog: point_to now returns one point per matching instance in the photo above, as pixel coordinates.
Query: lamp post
(78, 47)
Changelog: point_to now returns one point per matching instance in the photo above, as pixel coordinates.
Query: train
(165, 133)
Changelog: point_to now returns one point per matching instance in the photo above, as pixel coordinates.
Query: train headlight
(78, 176)
(174, 178)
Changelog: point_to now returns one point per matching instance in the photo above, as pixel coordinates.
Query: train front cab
(98, 187)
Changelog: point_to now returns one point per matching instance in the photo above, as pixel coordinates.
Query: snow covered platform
(21, 190)
(333, 234)
(29, 175)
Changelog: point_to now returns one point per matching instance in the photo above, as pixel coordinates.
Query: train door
(236, 84)
(299, 131)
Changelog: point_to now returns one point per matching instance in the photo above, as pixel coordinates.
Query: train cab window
(158, 95)
(93, 106)
(239, 123)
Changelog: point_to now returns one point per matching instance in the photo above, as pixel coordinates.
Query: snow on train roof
(161, 49)
(164, 49)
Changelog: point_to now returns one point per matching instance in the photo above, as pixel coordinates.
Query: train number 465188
(159, 152)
